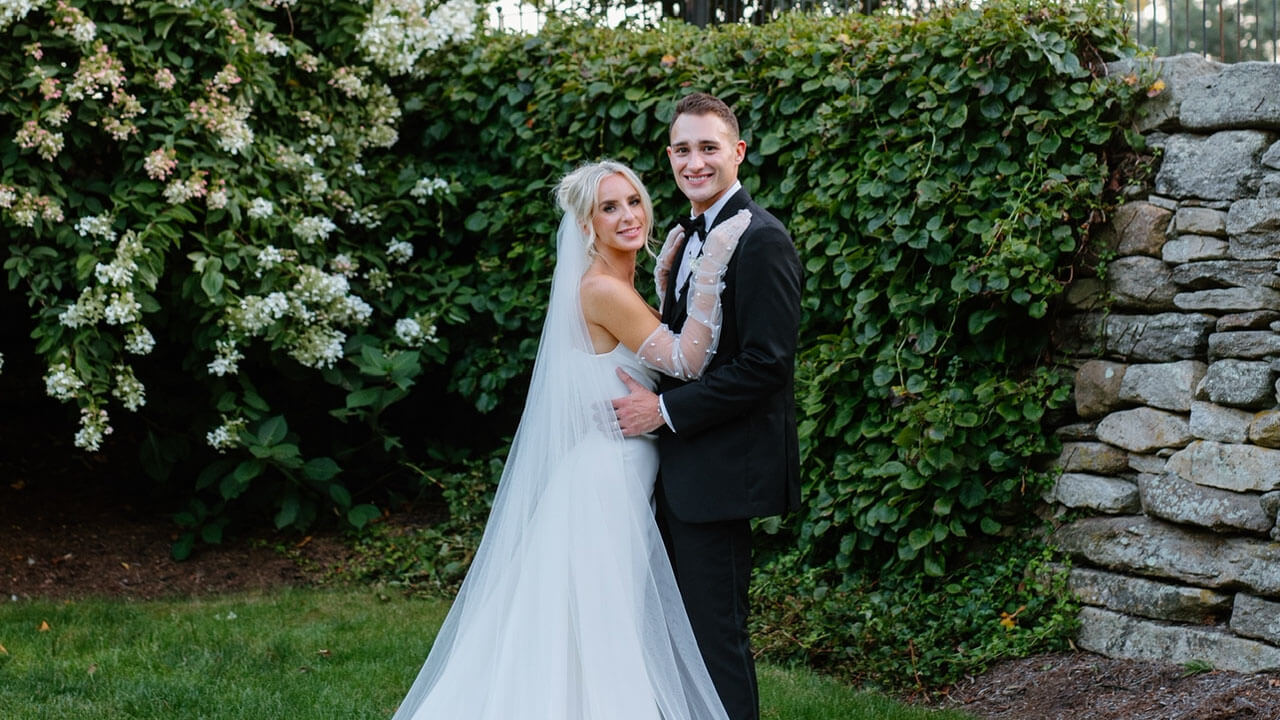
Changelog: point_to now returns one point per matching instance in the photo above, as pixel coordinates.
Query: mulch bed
(1084, 686)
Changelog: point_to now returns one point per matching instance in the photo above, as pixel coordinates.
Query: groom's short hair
(704, 104)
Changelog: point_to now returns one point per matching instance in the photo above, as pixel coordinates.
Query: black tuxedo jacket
(734, 454)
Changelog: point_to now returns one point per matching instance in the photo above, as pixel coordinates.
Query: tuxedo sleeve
(766, 312)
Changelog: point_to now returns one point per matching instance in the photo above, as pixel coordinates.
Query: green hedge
(937, 174)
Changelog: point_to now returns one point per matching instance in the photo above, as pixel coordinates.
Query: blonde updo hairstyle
(578, 193)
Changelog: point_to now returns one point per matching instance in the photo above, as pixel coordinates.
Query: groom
(727, 445)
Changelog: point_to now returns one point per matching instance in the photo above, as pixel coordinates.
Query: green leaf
(288, 513)
(321, 469)
(340, 496)
(362, 515)
(273, 430)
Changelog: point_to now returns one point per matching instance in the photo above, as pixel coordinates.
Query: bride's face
(619, 218)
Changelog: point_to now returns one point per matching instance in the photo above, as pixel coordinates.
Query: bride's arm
(615, 306)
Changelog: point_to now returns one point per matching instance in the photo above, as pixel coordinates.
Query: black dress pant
(712, 564)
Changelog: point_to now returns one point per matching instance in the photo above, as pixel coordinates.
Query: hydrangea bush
(213, 193)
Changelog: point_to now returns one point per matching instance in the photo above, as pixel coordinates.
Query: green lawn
(290, 654)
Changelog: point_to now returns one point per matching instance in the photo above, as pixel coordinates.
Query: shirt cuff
(662, 408)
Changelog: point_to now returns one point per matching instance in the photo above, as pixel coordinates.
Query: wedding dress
(570, 610)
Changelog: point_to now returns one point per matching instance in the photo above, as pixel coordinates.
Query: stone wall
(1173, 466)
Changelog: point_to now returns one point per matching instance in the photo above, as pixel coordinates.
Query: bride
(570, 610)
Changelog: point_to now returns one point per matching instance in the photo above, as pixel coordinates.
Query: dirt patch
(1083, 686)
(65, 532)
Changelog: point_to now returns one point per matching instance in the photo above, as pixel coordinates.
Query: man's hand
(638, 412)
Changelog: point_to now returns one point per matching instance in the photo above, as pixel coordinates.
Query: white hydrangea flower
(398, 32)
(428, 187)
(217, 199)
(88, 309)
(12, 11)
(93, 428)
(366, 217)
(128, 389)
(118, 272)
(267, 44)
(399, 251)
(256, 313)
(353, 309)
(160, 162)
(319, 347)
(139, 340)
(122, 309)
(61, 382)
(409, 331)
(260, 208)
(313, 228)
(97, 226)
(268, 257)
(226, 435)
(314, 184)
(226, 363)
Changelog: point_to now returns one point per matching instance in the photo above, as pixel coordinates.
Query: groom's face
(705, 155)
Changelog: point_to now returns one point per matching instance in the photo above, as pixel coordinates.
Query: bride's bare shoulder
(602, 287)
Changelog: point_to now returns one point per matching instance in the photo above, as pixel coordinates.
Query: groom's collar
(714, 211)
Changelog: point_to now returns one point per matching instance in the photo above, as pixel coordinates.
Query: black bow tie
(692, 225)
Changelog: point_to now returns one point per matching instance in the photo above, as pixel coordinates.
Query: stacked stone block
(1173, 466)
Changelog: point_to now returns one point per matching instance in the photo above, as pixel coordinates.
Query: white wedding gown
(586, 622)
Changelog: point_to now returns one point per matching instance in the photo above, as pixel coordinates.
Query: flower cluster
(97, 75)
(349, 81)
(410, 332)
(160, 163)
(179, 191)
(97, 226)
(227, 360)
(93, 428)
(61, 382)
(164, 79)
(139, 341)
(225, 119)
(26, 207)
(13, 10)
(428, 187)
(119, 272)
(398, 32)
(69, 21)
(266, 44)
(313, 228)
(225, 436)
(33, 137)
(260, 208)
(128, 389)
(399, 251)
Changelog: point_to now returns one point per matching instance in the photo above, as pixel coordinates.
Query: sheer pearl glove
(686, 354)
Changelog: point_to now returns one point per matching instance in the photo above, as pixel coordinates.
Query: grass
(315, 654)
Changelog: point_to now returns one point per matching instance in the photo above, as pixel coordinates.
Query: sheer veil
(534, 631)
